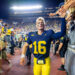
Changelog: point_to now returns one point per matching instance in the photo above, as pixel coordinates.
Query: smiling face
(40, 23)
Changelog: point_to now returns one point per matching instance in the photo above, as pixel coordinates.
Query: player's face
(40, 25)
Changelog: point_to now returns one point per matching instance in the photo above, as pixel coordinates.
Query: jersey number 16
(41, 49)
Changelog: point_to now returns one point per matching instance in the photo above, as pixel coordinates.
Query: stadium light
(27, 12)
(26, 7)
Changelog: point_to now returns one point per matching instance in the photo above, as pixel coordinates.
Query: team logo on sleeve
(62, 38)
(32, 35)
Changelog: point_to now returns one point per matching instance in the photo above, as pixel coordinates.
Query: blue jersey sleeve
(29, 39)
(62, 32)
(62, 39)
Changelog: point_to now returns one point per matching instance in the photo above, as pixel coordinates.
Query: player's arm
(63, 29)
(24, 49)
(62, 39)
(59, 48)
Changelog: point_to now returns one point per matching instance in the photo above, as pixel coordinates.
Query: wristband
(22, 56)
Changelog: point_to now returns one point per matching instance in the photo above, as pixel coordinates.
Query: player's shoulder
(50, 31)
(31, 33)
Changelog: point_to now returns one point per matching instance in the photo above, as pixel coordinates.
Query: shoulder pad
(31, 34)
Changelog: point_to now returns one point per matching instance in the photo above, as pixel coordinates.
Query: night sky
(6, 4)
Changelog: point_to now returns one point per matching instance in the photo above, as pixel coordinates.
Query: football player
(41, 41)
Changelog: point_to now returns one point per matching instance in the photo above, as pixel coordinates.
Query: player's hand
(22, 61)
(57, 52)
